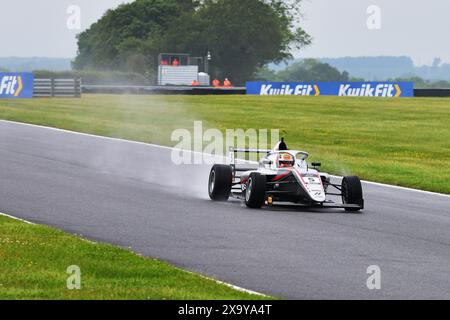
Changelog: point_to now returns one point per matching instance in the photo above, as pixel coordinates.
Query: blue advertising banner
(341, 89)
(16, 85)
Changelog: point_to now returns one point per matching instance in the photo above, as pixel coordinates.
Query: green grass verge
(34, 260)
(403, 142)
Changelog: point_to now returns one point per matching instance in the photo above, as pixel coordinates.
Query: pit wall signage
(16, 85)
(341, 89)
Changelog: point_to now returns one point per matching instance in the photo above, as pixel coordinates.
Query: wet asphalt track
(132, 195)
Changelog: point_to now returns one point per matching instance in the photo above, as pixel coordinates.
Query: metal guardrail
(432, 93)
(188, 90)
(169, 90)
(54, 87)
(74, 88)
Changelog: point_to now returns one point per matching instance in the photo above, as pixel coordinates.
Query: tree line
(307, 70)
(311, 70)
(242, 35)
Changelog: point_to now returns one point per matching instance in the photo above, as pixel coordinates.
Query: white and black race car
(282, 176)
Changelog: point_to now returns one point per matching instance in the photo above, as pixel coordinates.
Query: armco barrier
(23, 85)
(432, 93)
(186, 90)
(163, 90)
(57, 88)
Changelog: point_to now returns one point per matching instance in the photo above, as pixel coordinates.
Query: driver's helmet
(285, 160)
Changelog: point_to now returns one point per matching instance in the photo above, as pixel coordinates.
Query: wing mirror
(267, 162)
(316, 164)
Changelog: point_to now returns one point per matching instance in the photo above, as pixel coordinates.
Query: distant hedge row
(97, 77)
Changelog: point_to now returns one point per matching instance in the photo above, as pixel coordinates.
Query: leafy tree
(242, 35)
(440, 84)
(310, 70)
(121, 33)
(246, 34)
(266, 74)
(420, 83)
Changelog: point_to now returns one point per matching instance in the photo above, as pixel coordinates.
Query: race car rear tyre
(220, 182)
(255, 192)
(352, 193)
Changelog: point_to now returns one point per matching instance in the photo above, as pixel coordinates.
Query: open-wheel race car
(283, 176)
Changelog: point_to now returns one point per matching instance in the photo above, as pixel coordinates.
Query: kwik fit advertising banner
(341, 89)
(16, 85)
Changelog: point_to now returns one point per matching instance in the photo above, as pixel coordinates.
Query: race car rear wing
(234, 151)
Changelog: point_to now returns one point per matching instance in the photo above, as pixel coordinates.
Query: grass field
(34, 261)
(403, 142)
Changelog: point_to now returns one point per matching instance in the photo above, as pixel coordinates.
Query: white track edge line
(15, 218)
(232, 286)
(197, 152)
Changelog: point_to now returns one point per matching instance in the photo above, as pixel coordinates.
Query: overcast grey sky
(415, 28)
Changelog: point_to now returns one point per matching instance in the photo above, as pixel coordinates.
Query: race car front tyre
(220, 182)
(255, 191)
(352, 193)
